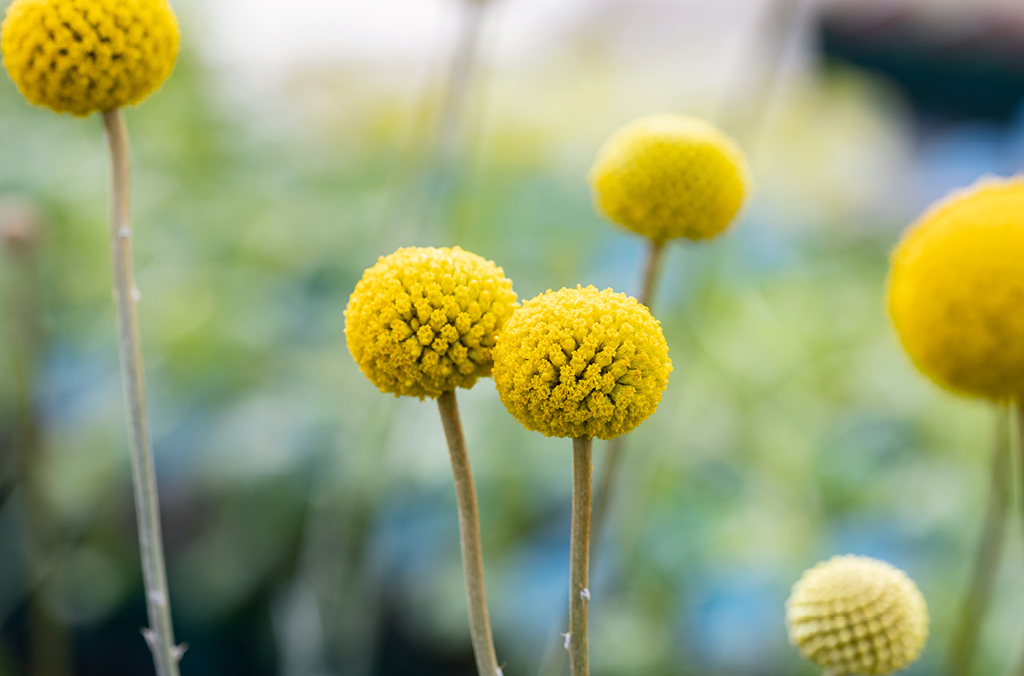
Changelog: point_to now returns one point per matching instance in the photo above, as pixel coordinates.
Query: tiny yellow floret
(581, 363)
(423, 321)
(857, 615)
(668, 176)
(86, 56)
(956, 291)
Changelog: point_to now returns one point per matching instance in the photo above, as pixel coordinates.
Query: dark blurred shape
(400, 653)
(968, 64)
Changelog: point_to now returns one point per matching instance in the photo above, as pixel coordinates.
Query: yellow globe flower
(581, 363)
(668, 176)
(84, 56)
(956, 291)
(423, 321)
(857, 615)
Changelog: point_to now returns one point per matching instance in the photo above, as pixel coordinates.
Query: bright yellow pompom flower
(581, 363)
(86, 56)
(668, 176)
(857, 615)
(956, 291)
(423, 321)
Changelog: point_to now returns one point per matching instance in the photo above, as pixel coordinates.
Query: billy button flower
(670, 176)
(857, 615)
(86, 56)
(581, 363)
(956, 299)
(420, 323)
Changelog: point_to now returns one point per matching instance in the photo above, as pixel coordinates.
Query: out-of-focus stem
(617, 446)
(20, 232)
(451, 135)
(579, 556)
(975, 603)
(469, 537)
(160, 634)
(606, 481)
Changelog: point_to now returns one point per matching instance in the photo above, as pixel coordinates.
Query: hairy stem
(975, 603)
(160, 634)
(469, 536)
(579, 556)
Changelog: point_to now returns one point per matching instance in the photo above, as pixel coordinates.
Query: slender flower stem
(469, 536)
(579, 556)
(550, 665)
(617, 446)
(975, 603)
(655, 255)
(160, 634)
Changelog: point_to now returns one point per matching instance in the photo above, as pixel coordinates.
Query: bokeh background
(309, 519)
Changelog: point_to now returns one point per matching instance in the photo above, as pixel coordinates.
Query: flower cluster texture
(857, 615)
(956, 291)
(424, 321)
(84, 56)
(669, 176)
(581, 363)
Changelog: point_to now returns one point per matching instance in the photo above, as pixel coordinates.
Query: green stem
(579, 556)
(975, 603)
(160, 634)
(469, 537)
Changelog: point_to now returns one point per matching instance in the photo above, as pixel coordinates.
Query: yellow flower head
(956, 291)
(857, 615)
(668, 176)
(581, 363)
(83, 56)
(423, 321)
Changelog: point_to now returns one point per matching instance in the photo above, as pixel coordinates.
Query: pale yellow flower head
(581, 363)
(857, 615)
(84, 56)
(956, 291)
(668, 176)
(423, 321)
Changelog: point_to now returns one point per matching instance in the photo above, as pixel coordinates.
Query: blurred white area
(556, 76)
(273, 33)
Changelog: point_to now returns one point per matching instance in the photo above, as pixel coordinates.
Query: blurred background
(310, 520)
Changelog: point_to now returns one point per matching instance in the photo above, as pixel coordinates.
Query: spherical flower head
(581, 363)
(424, 321)
(857, 615)
(956, 291)
(84, 56)
(668, 176)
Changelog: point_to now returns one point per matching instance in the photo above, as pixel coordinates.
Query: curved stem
(975, 603)
(469, 537)
(160, 634)
(579, 556)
